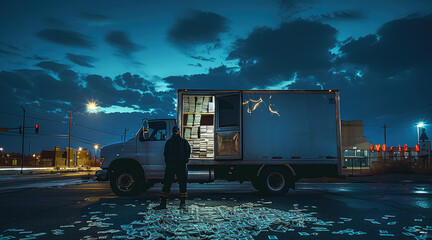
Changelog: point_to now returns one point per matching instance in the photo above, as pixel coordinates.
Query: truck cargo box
(260, 125)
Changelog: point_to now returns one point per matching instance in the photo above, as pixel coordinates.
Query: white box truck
(269, 137)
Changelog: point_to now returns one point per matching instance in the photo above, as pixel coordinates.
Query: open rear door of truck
(228, 137)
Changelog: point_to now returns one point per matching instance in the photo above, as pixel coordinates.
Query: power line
(94, 129)
(64, 122)
(37, 118)
(88, 140)
(33, 136)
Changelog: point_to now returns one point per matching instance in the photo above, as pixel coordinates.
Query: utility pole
(385, 141)
(125, 130)
(70, 124)
(22, 145)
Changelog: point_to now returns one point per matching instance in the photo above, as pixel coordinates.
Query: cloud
(70, 90)
(268, 55)
(10, 50)
(196, 28)
(121, 41)
(9, 53)
(81, 60)
(212, 59)
(52, 66)
(290, 8)
(398, 45)
(14, 80)
(93, 19)
(11, 47)
(343, 15)
(134, 81)
(195, 65)
(65, 38)
(37, 57)
(219, 78)
(55, 22)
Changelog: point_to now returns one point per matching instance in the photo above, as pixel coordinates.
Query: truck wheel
(127, 182)
(275, 180)
(256, 183)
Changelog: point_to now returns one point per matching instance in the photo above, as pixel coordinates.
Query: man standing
(177, 152)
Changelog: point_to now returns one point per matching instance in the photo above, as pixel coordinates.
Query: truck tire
(127, 182)
(256, 183)
(275, 180)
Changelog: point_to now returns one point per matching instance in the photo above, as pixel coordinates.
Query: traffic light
(20, 129)
(37, 128)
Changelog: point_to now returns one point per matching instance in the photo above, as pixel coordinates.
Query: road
(89, 210)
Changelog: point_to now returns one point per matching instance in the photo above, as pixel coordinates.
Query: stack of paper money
(205, 132)
(203, 148)
(211, 107)
(197, 120)
(195, 146)
(205, 104)
(186, 104)
(190, 119)
(199, 104)
(194, 133)
(191, 104)
(187, 133)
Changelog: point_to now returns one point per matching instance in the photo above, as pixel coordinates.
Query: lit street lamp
(419, 125)
(90, 106)
(96, 148)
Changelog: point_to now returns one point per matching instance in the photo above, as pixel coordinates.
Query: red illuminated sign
(378, 147)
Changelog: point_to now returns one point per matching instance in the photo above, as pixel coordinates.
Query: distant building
(354, 144)
(353, 136)
(54, 158)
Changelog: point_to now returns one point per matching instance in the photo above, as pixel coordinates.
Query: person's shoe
(182, 204)
(160, 207)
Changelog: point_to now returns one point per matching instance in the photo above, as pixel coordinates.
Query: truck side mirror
(145, 132)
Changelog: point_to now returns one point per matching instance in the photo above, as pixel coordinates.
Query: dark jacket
(177, 150)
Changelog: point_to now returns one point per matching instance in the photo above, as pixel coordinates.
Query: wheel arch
(285, 166)
(126, 162)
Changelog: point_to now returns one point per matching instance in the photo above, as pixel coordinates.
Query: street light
(90, 106)
(96, 148)
(419, 125)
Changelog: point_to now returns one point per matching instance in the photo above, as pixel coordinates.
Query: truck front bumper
(101, 175)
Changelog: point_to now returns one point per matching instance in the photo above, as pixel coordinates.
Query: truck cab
(133, 166)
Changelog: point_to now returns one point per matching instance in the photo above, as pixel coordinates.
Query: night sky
(131, 56)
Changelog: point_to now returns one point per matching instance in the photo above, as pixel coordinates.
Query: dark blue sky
(130, 56)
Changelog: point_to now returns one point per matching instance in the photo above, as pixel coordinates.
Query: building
(58, 158)
(354, 144)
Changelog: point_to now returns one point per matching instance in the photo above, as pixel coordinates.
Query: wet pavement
(222, 209)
